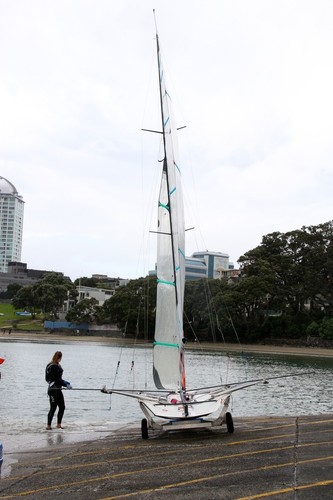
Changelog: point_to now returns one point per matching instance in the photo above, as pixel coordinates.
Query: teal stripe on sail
(164, 206)
(166, 121)
(163, 282)
(165, 344)
(172, 191)
(181, 252)
(177, 268)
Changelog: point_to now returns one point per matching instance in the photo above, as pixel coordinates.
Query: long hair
(57, 357)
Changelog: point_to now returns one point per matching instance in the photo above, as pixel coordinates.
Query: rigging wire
(215, 325)
(244, 356)
(209, 303)
(115, 376)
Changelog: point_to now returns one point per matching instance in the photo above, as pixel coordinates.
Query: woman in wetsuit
(53, 375)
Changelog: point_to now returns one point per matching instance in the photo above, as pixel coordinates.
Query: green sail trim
(181, 252)
(164, 206)
(172, 283)
(165, 344)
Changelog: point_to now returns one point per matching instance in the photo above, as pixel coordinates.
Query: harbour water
(89, 366)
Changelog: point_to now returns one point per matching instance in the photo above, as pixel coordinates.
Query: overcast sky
(251, 79)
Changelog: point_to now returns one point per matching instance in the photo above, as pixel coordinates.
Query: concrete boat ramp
(284, 458)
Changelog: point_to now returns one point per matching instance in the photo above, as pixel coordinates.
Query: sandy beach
(205, 346)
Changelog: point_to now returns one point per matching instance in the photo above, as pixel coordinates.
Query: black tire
(230, 423)
(144, 428)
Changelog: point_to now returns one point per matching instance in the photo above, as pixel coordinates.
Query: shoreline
(205, 346)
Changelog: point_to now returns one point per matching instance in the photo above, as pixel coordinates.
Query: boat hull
(189, 410)
(199, 414)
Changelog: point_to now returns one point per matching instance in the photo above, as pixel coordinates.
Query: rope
(115, 376)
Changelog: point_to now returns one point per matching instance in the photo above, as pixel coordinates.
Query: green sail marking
(172, 283)
(165, 344)
(164, 206)
(181, 252)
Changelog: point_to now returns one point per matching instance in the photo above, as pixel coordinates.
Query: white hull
(186, 416)
(197, 408)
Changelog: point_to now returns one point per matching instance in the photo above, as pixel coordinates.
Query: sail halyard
(169, 371)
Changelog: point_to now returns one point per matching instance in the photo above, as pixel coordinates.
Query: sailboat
(173, 405)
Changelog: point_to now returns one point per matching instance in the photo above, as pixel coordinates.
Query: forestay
(169, 372)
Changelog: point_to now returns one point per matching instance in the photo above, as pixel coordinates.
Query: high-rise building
(11, 224)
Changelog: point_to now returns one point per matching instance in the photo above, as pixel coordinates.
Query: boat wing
(222, 389)
(199, 395)
(146, 395)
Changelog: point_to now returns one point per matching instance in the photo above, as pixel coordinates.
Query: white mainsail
(169, 372)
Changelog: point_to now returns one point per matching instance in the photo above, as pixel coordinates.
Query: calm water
(90, 414)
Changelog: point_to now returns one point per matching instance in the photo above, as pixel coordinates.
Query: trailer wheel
(230, 423)
(144, 428)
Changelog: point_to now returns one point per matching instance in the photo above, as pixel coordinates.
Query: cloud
(251, 80)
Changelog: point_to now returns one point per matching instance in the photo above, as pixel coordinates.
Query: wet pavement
(279, 458)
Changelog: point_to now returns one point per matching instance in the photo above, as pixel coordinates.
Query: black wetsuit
(54, 377)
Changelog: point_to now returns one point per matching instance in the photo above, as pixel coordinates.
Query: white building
(216, 263)
(206, 264)
(11, 224)
(100, 294)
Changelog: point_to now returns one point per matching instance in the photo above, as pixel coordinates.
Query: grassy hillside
(9, 319)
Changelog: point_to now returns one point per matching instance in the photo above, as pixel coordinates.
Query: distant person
(53, 375)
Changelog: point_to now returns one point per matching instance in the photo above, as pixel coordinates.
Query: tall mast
(168, 368)
(165, 160)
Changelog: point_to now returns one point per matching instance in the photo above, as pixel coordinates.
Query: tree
(27, 299)
(52, 291)
(132, 307)
(84, 281)
(298, 267)
(85, 311)
(48, 295)
(13, 289)
(200, 317)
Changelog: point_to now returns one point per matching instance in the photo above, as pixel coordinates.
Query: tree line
(285, 290)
